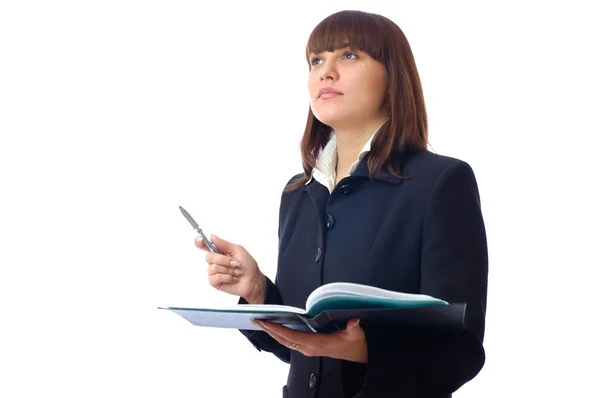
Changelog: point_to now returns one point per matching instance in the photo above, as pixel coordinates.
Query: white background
(114, 113)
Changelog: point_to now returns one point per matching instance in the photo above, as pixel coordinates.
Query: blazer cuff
(258, 338)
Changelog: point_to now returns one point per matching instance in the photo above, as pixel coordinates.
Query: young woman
(373, 206)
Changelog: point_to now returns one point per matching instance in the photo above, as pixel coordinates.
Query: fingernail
(237, 271)
(257, 322)
(235, 279)
(357, 322)
(235, 263)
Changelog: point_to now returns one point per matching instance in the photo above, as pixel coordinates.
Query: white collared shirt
(324, 171)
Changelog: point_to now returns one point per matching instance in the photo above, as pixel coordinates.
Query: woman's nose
(328, 71)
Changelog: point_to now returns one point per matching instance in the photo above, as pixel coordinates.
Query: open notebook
(330, 306)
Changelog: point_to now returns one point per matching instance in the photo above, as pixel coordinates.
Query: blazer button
(329, 221)
(312, 381)
(345, 189)
(319, 253)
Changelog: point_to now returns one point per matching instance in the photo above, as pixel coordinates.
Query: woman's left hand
(349, 344)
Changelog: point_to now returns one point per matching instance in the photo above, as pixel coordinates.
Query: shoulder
(431, 162)
(429, 167)
(289, 201)
(294, 178)
(430, 175)
(289, 195)
(291, 181)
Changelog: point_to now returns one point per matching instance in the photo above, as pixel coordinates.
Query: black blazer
(424, 234)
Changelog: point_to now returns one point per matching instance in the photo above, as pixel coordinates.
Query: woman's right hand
(235, 271)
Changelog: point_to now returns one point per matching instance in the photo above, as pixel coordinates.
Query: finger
(219, 279)
(279, 339)
(302, 338)
(353, 323)
(222, 269)
(200, 244)
(221, 259)
(305, 350)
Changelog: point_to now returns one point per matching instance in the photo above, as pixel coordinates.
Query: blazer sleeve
(454, 267)
(261, 340)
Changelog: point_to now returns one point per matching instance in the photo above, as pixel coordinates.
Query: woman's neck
(350, 142)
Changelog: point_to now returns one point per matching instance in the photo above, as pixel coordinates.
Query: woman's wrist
(260, 291)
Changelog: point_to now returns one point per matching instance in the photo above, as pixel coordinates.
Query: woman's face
(346, 88)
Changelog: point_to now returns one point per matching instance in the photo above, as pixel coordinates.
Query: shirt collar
(324, 171)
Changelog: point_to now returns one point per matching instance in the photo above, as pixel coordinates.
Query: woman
(373, 206)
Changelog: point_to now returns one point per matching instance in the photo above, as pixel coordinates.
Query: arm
(261, 340)
(454, 267)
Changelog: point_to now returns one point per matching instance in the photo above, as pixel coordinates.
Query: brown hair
(406, 128)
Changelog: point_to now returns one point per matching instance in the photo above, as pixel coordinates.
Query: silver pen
(195, 225)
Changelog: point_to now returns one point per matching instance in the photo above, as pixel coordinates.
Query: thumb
(223, 245)
(353, 324)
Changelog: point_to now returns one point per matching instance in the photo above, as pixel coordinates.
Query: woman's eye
(318, 60)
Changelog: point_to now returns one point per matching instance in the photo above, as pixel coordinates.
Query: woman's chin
(331, 119)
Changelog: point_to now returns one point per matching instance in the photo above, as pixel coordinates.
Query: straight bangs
(354, 29)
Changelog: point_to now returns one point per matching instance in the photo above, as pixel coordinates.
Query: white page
(352, 289)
